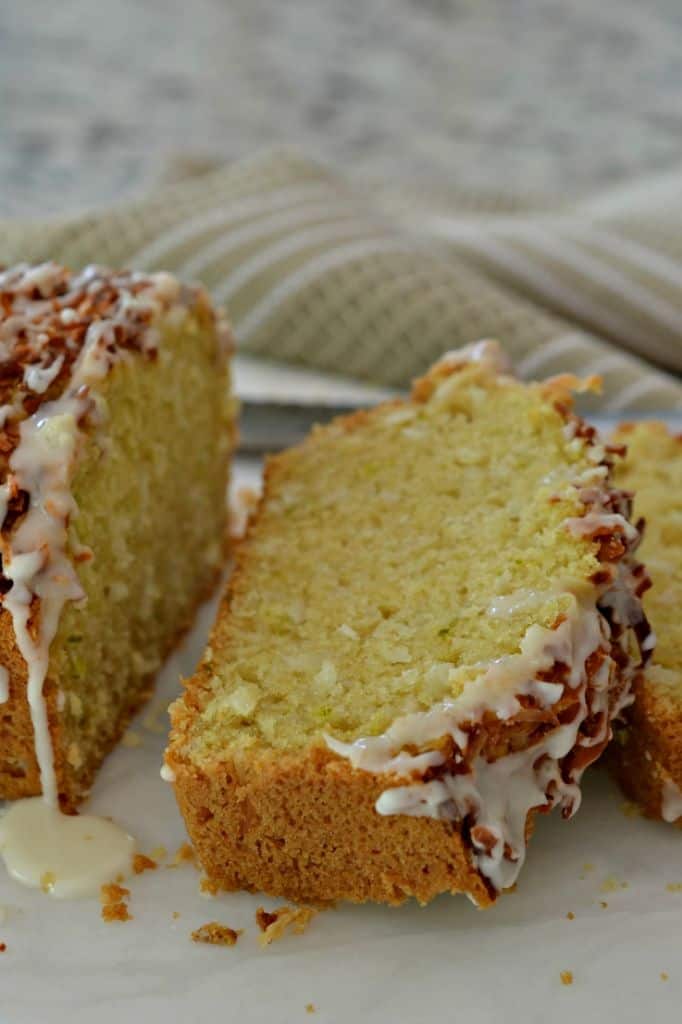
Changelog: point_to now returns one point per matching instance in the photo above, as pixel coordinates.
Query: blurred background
(96, 98)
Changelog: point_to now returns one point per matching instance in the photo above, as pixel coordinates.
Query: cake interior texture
(147, 538)
(394, 553)
(651, 747)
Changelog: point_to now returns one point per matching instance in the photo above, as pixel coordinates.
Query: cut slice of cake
(432, 621)
(115, 422)
(649, 749)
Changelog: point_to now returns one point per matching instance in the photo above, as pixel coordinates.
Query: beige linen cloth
(377, 282)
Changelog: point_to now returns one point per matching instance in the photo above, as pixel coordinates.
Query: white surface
(445, 962)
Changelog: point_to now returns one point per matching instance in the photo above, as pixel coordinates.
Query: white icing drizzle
(505, 605)
(39, 378)
(498, 795)
(68, 856)
(38, 565)
(588, 525)
(671, 801)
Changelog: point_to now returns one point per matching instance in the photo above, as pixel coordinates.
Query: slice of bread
(429, 628)
(649, 749)
(115, 434)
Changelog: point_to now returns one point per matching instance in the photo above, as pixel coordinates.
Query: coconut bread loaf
(115, 434)
(433, 619)
(648, 751)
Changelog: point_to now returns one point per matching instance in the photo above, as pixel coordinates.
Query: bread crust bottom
(305, 828)
(650, 749)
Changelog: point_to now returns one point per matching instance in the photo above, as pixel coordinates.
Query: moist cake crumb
(216, 934)
(113, 898)
(208, 887)
(273, 924)
(143, 863)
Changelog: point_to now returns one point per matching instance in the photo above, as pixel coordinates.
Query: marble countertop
(95, 99)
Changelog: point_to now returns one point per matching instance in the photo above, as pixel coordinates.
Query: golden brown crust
(648, 750)
(239, 819)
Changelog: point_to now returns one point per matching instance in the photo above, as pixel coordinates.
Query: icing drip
(65, 855)
(671, 801)
(38, 565)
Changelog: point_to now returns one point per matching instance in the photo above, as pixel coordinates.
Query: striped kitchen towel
(377, 281)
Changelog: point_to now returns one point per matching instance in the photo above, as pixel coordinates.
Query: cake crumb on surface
(273, 924)
(611, 884)
(216, 934)
(113, 898)
(208, 887)
(143, 863)
(184, 855)
(566, 977)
